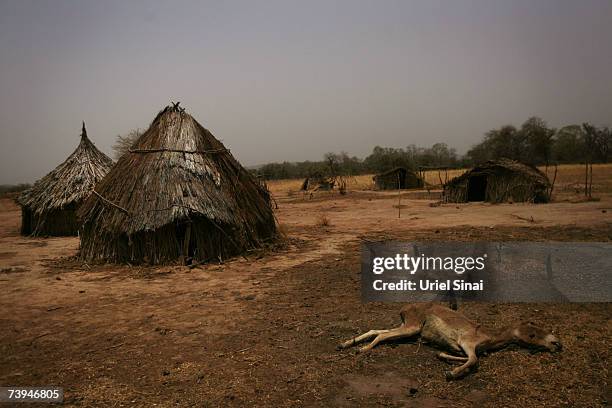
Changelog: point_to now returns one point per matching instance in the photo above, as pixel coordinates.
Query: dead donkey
(453, 331)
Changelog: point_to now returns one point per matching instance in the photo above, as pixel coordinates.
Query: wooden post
(552, 186)
(591, 180)
(586, 178)
(399, 197)
(186, 243)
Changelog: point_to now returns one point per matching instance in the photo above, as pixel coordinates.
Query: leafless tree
(124, 142)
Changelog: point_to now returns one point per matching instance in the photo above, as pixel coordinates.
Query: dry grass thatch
(49, 207)
(177, 194)
(318, 182)
(499, 181)
(398, 177)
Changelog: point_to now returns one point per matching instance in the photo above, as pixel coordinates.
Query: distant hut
(49, 207)
(499, 181)
(318, 182)
(178, 195)
(398, 177)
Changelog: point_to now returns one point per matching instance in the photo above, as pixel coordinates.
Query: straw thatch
(398, 177)
(49, 207)
(177, 195)
(318, 181)
(499, 181)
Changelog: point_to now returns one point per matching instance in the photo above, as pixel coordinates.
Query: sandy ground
(263, 331)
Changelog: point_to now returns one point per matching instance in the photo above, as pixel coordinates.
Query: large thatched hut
(49, 207)
(398, 177)
(177, 195)
(499, 181)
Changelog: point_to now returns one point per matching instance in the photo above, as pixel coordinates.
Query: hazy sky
(291, 80)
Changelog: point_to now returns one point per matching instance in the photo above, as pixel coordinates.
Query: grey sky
(289, 80)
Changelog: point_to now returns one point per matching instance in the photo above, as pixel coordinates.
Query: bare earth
(263, 331)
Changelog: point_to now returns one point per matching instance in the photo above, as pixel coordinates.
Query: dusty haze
(283, 80)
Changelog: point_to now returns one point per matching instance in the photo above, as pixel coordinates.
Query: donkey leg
(448, 357)
(472, 359)
(360, 338)
(394, 334)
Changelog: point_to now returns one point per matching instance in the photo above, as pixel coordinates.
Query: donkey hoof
(449, 375)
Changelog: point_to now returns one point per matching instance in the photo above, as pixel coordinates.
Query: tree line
(534, 142)
(381, 159)
(13, 188)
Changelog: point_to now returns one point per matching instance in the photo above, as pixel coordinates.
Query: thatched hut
(49, 207)
(318, 182)
(499, 181)
(398, 177)
(178, 195)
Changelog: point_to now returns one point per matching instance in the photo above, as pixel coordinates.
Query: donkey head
(531, 336)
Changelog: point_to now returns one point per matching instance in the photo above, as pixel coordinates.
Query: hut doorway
(185, 240)
(26, 221)
(477, 188)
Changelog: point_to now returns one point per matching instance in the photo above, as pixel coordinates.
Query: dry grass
(323, 221)
(570, 179)
(282, 230)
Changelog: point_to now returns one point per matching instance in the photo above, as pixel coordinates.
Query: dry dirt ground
(262, 331)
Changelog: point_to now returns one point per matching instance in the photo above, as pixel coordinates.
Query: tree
(568, 146)
(478, 153)
(538, 140)
(442, 155)
(124, 143)
(597, 141)
(333, 161)
(386, 158)
(503, 142)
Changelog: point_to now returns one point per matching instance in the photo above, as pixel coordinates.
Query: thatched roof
(175, 173)
(398, 177)
(498, 181)
(70, 182)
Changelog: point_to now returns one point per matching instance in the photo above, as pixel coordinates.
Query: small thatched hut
(177, 195)
(499, 181)
(318, 182)
(49, 207)
(398, 177)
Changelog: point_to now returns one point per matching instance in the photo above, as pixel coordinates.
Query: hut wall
(500, 187)
(318, 183)
(387, 182)
(513, 187)
(60, 223)
(325, 185)
(207, 242)
(391, 180)
(413, 181)
(456, 192)
(400, 178)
